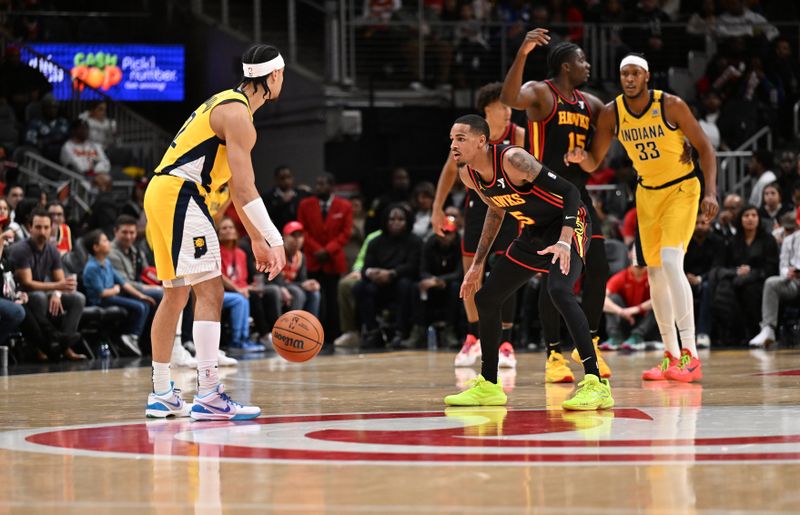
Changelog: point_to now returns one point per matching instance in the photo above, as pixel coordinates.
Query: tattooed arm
(491, 226)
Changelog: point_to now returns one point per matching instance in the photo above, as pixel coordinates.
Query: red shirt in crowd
(293, 266)
(632, 290)
(234, 265)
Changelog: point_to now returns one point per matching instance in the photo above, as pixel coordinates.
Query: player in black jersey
(560, 118)
(503, 131)
(554, 241)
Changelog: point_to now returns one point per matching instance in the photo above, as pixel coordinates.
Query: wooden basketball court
(370, 434)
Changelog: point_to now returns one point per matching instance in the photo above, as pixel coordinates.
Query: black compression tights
(504, 280)
(594, 294)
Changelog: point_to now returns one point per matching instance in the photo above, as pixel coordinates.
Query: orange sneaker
(688, 370)
(657, 373)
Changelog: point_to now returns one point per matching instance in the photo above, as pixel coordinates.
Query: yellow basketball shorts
(665, 218)
(180, 228)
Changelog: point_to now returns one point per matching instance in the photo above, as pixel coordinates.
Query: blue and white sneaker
(218, 406)
(168, 404)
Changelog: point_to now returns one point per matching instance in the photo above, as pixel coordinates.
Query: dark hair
(256, 54)
(124, 220)
(775, 186)
(760, 231)
(328, 176)
(558, 55)
(425, 187)
(488, 94)
(92, 238)
(76, 124)
(477, 124)
(764, 157)
(402, 206)
(29, 208)
(53, 203)
(280, 168)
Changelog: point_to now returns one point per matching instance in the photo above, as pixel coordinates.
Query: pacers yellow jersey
(654, 146)
(197, 154)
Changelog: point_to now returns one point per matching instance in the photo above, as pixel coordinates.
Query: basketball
(297, 336)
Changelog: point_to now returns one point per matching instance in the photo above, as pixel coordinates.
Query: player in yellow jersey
(652, 127)
(212, 148)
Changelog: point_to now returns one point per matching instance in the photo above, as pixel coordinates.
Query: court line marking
(17, 441)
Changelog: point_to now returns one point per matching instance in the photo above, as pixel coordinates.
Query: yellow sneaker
(556, 369)
(605, 370)
(593, 393)
(480, 393)
(479, 421)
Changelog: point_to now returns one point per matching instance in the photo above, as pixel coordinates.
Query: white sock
(662, 309)
(206, 344)
(681, 295)
(161, 378)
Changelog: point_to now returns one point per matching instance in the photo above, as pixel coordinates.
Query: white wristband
(564, 243)
(256, 212)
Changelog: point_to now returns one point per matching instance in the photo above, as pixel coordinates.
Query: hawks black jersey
(508, 136)
(548, 200)
(568, 126)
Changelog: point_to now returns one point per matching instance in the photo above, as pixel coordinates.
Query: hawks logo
(200, 247)
(456, 436)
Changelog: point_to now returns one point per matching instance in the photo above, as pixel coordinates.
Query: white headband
(262, 69)
(634, 59)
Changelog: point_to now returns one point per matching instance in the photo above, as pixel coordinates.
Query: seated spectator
(772, 207)
(629, 310)
(105, 208)
(106, 287)
(782, 287)
(135, 207)
(128, 260)
(48, 133)
(787, 173)
(760, 169)
(235, 277)
(297, 290)
(5, 220)
(12, 313)
(347, 301)
(15, 195)
(102, 129)
(391, 264)
(81, 155)
(706, 252)
(422, 206)
(441, 271)
(725, 225)
(788, 225)
(62, 234)
(752, 256)
(53, 299)
(737, 20)
(399, 191)
(282, 200)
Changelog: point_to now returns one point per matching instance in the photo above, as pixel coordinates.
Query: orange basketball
(297, 336)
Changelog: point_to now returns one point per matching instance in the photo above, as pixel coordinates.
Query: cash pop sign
(124, 72)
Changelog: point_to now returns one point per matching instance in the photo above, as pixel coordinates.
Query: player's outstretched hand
(576, 155)
(534, 38)
(269, 259)
(471, 281)
(561, 253)
(709, 207)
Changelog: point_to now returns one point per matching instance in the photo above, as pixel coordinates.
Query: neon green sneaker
(593, 393)
(480, 393)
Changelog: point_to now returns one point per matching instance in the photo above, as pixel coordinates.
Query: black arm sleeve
(549, 181)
